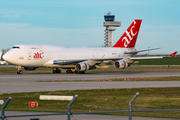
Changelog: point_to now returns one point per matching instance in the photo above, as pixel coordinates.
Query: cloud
(12, 15)
(149, 36)
(13, 25)
(159, 36)
(4, 13)
(71, 3)
(26, 34)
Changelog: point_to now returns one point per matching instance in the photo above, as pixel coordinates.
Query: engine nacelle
(30, 68)
(82, 67)
(121, 64)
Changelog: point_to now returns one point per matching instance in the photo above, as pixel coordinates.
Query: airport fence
(70, 115)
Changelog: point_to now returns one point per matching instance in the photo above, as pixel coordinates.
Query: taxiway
(26, 82)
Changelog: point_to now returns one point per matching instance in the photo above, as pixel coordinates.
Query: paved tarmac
(77, 117)
(87, 76)
(26, 82)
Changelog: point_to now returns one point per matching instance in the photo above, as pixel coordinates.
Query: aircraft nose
(7, 57)
(10, 57)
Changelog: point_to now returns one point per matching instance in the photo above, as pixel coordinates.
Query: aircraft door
(29, 56)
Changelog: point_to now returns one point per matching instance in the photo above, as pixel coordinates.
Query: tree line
(4, 51)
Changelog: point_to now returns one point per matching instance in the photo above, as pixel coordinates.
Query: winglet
(173, 54)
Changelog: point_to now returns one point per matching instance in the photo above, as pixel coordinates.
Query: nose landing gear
(19, 71)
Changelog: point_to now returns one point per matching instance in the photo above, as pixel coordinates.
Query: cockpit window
(15, 47)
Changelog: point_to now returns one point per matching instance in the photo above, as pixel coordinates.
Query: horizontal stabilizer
(134, 52)
(153, 57)
(148, 57)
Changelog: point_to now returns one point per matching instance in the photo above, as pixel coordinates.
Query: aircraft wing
(75, 61)
(66, 62)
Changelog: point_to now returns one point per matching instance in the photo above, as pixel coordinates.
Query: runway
(26, 82)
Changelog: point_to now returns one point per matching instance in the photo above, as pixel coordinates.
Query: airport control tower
(110, 25)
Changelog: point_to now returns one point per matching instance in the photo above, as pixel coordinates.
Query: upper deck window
(15, 47)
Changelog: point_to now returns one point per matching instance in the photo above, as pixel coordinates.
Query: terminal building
(110, 25)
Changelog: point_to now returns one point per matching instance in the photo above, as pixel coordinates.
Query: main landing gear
(57, 71)
(19, 71)
(70, 71)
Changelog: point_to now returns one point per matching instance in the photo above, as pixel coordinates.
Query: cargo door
(100, 53)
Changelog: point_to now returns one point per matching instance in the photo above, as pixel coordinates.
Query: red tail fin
(173, 54)
(128, 39)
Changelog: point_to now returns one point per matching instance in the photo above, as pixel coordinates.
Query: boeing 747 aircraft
(79, 60)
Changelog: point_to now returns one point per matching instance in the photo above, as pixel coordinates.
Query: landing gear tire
(69, 71)
(80, 72)
(76, 72)
(19, 72)
(56, 71)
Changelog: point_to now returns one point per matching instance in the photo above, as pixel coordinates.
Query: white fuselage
(44, 55)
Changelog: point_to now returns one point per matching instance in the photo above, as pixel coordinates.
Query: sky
(79, 23)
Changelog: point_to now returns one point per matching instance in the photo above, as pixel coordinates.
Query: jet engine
(82, 67)
(30, 68)
(120, 64)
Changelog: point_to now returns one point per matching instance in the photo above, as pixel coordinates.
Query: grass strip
(171, 78)
(102, 100)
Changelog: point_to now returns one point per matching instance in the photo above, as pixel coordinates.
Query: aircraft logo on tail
(129, 38)
(173, 54)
